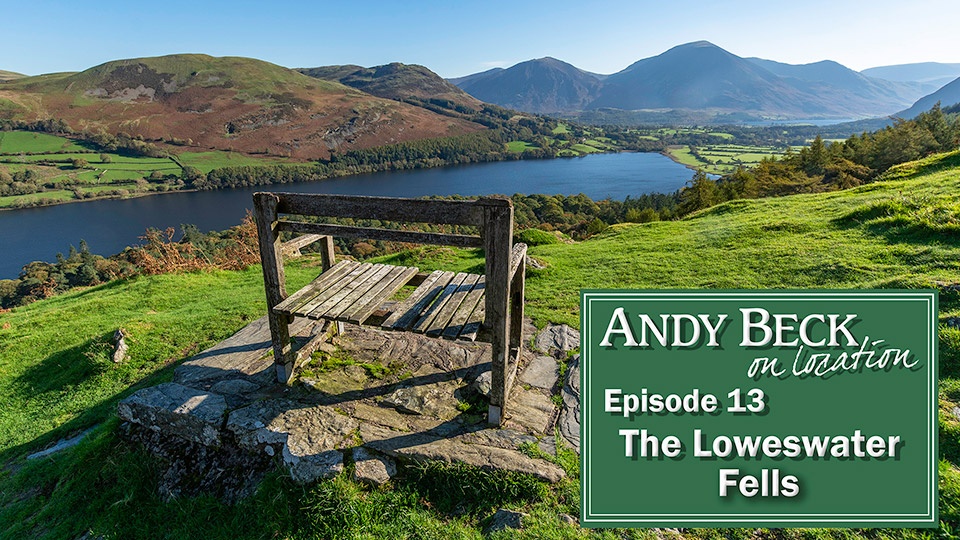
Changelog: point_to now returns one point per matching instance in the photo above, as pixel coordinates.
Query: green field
(59, 195)
(207, 161)
(722, 158)
(51, 159)
(14, 142)
(57, 379)
(520, 146)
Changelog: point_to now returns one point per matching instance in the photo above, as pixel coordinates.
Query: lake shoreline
(137, 195)
(109, 224)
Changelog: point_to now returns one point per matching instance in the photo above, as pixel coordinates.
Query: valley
(693, 168)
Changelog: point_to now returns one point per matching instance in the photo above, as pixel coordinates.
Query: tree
(743, 185)
(192, 176)
(105, 158)
(79, 163)
(701, 193)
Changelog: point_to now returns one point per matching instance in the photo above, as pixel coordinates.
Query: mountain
(933, 75)
(545, 85)
(947, 96)
(829, 76)
(10, 75)
(701, 75)
(694, 80)
(396, 81)
(234, 103)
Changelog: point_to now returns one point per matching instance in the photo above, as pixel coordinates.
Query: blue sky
(457, 38)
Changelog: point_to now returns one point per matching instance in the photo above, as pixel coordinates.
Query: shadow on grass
(68, 367)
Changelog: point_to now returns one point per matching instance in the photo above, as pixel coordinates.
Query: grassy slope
(56, 380)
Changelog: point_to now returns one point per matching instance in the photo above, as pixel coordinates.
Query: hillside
(932, 75)
(396, 81)
(57, 380)
(10, 75)
(545, 86)
(694, 82)
(223, 103)
(946, 96)
(829, 77)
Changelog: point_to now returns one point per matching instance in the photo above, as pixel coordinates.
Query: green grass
(683, 156)
(585, 149)
(100, 175)
(14, 142)
(56, 380)
(722, 158)
(60, 195)
(207, 161)
(108, 187)
(520, 146)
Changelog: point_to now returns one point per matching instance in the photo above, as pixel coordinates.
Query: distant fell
(227, 103)
(878, 96)
(698, 75)
(395, 81)
(932, 74)
(696, 80)
(544, 85)
(10, 75)
(946, 96)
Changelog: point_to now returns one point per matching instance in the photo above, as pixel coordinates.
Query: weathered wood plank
(450, 307)
(327, 256)
(517, 285)
(472, 327)
(274, 282)
(334, 301)
(518, 256)
(409, 309)
(514, 363)
(376, 296)
(317, 286)
(382, 208)
(415, 237)
(465, 310)
(382, 272)
(423, 323)
(335, 287)
(292, 247)
(498, 241)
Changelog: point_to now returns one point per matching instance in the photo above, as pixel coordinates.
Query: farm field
(721, 158)
(207, 161)
(39, 168)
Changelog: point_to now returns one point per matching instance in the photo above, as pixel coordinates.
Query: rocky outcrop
(223, 423)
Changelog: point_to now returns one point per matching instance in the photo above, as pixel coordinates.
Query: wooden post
(497, 232)
(327, 255)
(517, 286)
(274, 282)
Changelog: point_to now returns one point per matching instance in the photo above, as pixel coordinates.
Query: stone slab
(372, 468)
(242, 355)
(557, 338)
(569, 421)
(542, 372)
(184, 412)
(530, 411)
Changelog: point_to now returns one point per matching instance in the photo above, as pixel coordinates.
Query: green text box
(825, 408)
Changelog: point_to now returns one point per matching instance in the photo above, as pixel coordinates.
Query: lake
(110, 225)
